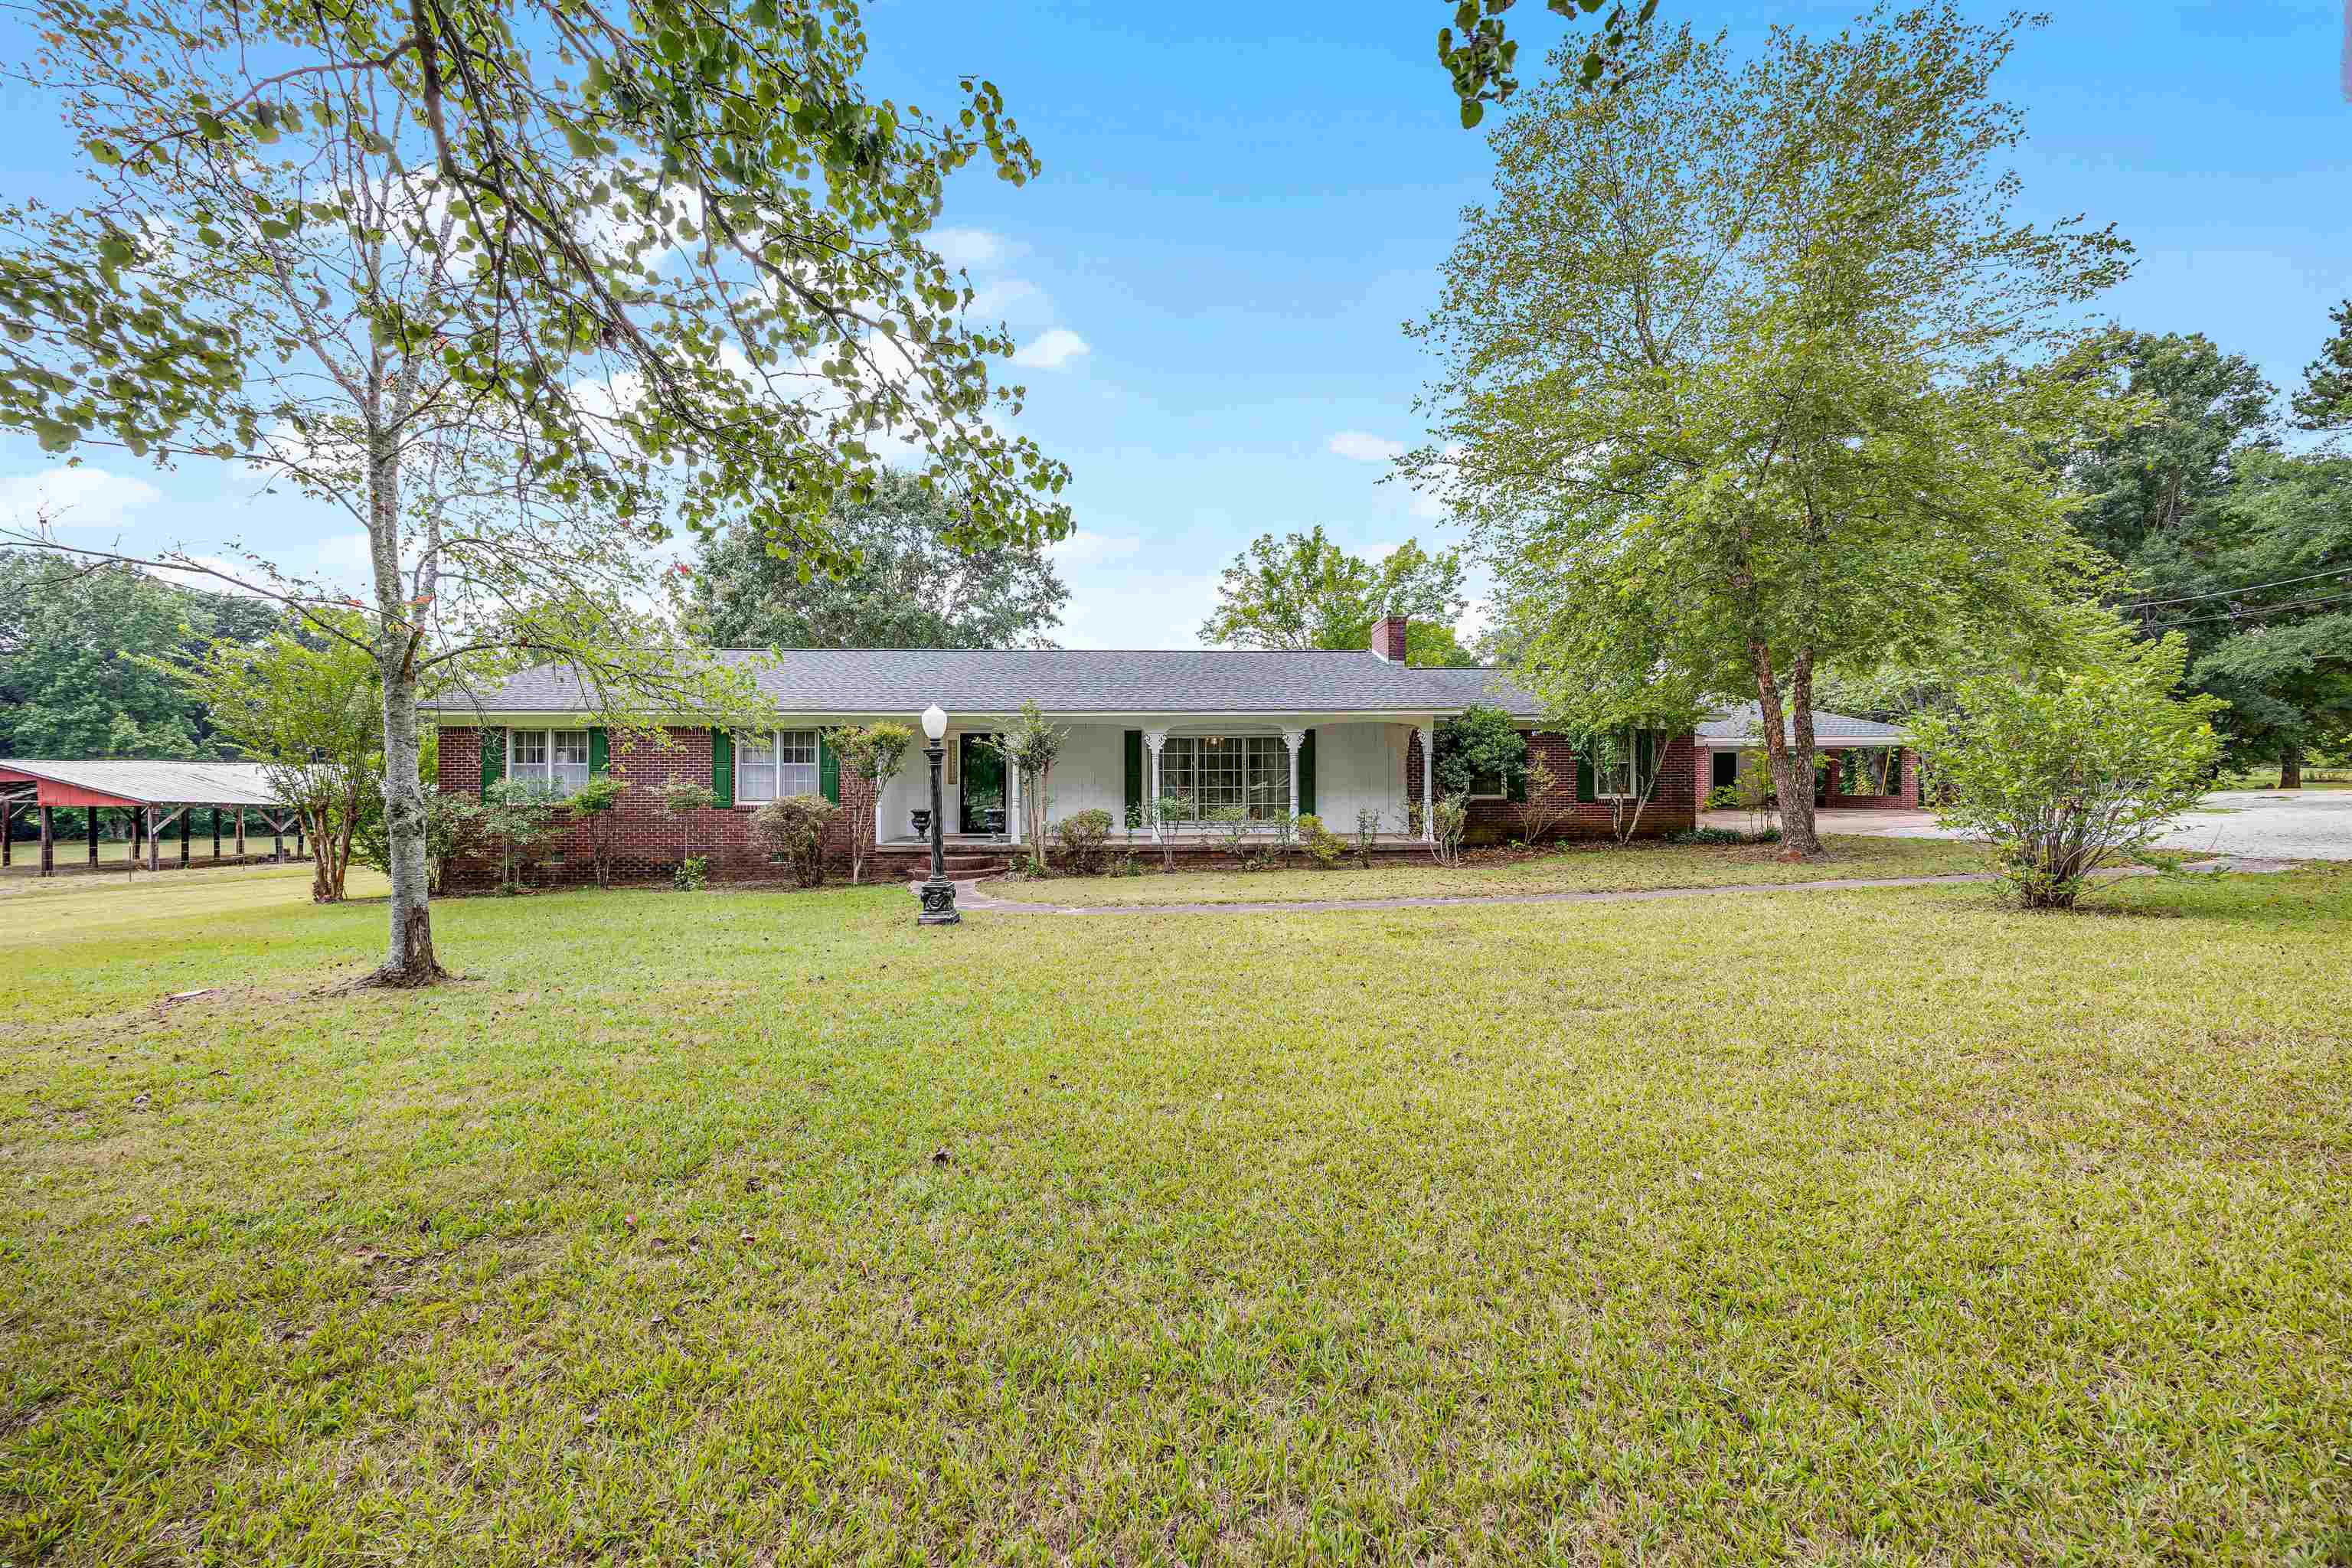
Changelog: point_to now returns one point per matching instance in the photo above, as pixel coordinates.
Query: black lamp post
(938, 893)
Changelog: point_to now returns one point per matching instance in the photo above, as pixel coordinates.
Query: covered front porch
(1176, 781)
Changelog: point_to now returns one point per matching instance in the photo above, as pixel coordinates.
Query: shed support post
(92, 814)
(7, 832)
(154, 848)
(241, 833)
(48, 847)
(187, 834)
(278, 839)
(215, 810)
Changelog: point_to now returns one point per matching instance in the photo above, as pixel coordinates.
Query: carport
(154, 796)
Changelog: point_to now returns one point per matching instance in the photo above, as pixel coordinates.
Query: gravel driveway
(2261, 823)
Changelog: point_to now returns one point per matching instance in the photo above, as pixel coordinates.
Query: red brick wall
(647, 841)
(1671, 807)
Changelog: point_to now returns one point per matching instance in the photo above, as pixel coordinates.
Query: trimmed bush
(1084, 837)
(795, 827)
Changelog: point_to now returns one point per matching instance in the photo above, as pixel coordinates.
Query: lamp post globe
(937, 894)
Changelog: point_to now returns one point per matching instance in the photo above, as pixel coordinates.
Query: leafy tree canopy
(1729, 388)
(1301, 591)
(71, 682)
(2185, 410)
(2324, 400)
(910, 584)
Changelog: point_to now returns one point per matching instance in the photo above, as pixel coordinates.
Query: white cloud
(1429, 508)
(74, 498)
(346, 553)
(971, 247)
(1011, 300)
(1361, 446)
(1052, 349)
(1085, 545)
(1381, 551)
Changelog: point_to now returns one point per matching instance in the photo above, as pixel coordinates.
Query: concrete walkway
(2267, 824)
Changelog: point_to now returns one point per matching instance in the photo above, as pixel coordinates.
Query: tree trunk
(1801, 838)
(409, 959)
(2290, 768)
(1792, 765)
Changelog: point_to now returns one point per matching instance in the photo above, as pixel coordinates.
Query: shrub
(1324, 848)
(1709, 835)
(794, 828)
(1167, 811)
(2067, 773)
(1084, 837)
(1368, 833)
(683, 798)
(1479, 745)
(1453, 820)
(689, 875)
(518, 815)
(1234, 822)
(596, 801)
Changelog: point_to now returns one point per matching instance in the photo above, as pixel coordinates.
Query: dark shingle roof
(1059, 680)
(1747, 722)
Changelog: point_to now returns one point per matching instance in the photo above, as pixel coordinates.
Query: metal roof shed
(155, 794)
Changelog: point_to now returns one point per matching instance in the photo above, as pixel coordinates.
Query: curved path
(970, 897)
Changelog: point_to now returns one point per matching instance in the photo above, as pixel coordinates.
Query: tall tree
(525, 283)
(1301, 591)
(71, 682)
(2324, 402)
(2260, 588)
(911, 583)
(1720, 392)
(2187, 411)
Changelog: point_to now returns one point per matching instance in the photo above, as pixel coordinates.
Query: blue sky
(1241, 205)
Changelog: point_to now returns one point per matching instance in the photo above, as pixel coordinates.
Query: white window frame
(748, 749)
(1629, 743)
(544, 771)
(1244, 743)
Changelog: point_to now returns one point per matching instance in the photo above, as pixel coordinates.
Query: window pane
(527, 755)
(796, 756)
(755, 767)
(570, 749)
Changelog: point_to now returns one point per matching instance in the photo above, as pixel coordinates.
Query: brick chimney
(1387, 638)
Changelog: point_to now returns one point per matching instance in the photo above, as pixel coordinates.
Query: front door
(981, 795)
(1727, 770)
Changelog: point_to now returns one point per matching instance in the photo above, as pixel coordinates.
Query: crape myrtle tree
(1730, 378)
(613, 270)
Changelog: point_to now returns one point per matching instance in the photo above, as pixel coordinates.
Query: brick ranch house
(1333, 733)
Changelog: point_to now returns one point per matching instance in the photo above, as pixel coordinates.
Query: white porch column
(1012, 802)
(1428, 734)
(1153, 740)
(1294, 739)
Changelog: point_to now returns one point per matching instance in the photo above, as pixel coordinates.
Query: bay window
(771, 766)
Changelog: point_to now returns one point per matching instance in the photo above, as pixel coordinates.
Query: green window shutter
(600, 751)
(1584, 776)
(1306, 775)
(494, 757)
(1135, 775)
(722, 766)
(1518, 789)
(828, 768)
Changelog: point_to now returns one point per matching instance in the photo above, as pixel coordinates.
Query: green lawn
(1576, 868)
(1870, 1225)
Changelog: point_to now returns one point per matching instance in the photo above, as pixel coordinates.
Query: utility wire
(2225, 592)
(2259, 610)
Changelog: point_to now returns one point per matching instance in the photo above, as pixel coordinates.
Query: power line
(2263, 610)
(2225, 592)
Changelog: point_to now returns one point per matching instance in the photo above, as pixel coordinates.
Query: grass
(1575, 868)
(763, 1227)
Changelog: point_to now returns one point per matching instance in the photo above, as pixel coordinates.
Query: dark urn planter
(922, 823)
